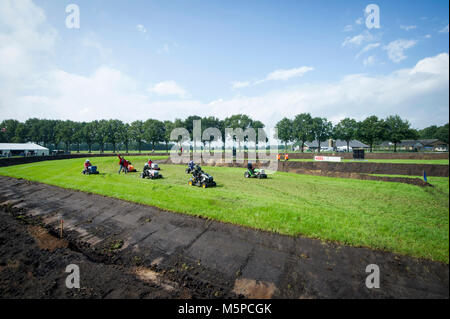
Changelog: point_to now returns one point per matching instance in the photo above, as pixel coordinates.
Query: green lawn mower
(255, 173)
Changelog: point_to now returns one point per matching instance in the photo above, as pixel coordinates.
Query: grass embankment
(395, 217)
(393, 161)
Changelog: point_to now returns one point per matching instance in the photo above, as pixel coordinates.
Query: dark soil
(127, 250)
(33, 262)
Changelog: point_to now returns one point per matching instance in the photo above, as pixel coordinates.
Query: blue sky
(269, 59)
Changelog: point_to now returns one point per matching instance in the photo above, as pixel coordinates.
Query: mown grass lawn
(390, 216)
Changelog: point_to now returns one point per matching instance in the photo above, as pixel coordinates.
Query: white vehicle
(344, 149)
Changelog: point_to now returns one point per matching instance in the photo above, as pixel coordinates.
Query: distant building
(22, 149)
(431, 145)
(331, 145)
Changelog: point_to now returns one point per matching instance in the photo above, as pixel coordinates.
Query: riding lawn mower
(201, 179)
(149, 172)
(255, 173)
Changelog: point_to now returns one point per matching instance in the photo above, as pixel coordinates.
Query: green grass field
(390, 216)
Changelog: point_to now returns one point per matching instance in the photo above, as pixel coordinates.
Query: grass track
(395, 217)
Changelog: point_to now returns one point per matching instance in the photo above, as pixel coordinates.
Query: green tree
(89, 134)
(78, 134)
(285, 131)
(33, 133)
(208, 122)
(371, 130)
(241, 121)
(65, 132)
(137, 130)
(302, 129)
(321, 129)
(113, 132)
(8, 129)
(48, 132)
(125, 135)
(442, 133)
(397, 130)
(346, 130)
(154, 132)
(100, 128)
(168, 127)
(428, 132)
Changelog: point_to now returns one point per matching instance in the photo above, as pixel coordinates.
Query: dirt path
(152, 253)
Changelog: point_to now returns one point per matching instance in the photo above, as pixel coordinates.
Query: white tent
(22, 149)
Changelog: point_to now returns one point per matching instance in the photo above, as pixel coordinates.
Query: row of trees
(304, 127)
(152, 132)
(435, 132)
(52, 133)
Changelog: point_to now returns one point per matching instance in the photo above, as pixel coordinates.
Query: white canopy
(22, 146)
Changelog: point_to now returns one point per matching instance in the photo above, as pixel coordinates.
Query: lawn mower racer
(149, 172)
(153, 165)
(190, 167)
(89, 169)
(254, 172)
(200, 178)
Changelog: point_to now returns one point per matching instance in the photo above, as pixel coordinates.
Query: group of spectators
(286, 157)
(123, 164)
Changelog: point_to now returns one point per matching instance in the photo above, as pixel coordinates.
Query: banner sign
(327, 159)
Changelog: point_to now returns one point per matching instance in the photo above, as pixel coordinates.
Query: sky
(135, 60)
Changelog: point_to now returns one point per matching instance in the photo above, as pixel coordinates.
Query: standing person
(125, 165)
(121, 162)
(279, 157)
(286, 157)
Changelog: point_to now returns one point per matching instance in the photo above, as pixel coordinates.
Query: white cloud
(288, 74)
(33, 86)
(408, 27)
(369, 61)
(348, 28)
(168, 88)
(141, 28)
(240, 84)
(367, 48)
(444, 29)
(359, 21)
(396, 49)
(359, 39)
(164, 49)
(277, 75)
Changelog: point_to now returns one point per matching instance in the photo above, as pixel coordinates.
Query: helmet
(87, 161)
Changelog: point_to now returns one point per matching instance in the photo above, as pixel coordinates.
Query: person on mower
(87, 164)
(191, 165)
(150, 162)
(197, 172)
(250, 168)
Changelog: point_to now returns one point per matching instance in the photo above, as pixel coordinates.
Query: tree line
(372, 130)
(155, 133)
(152, 132)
